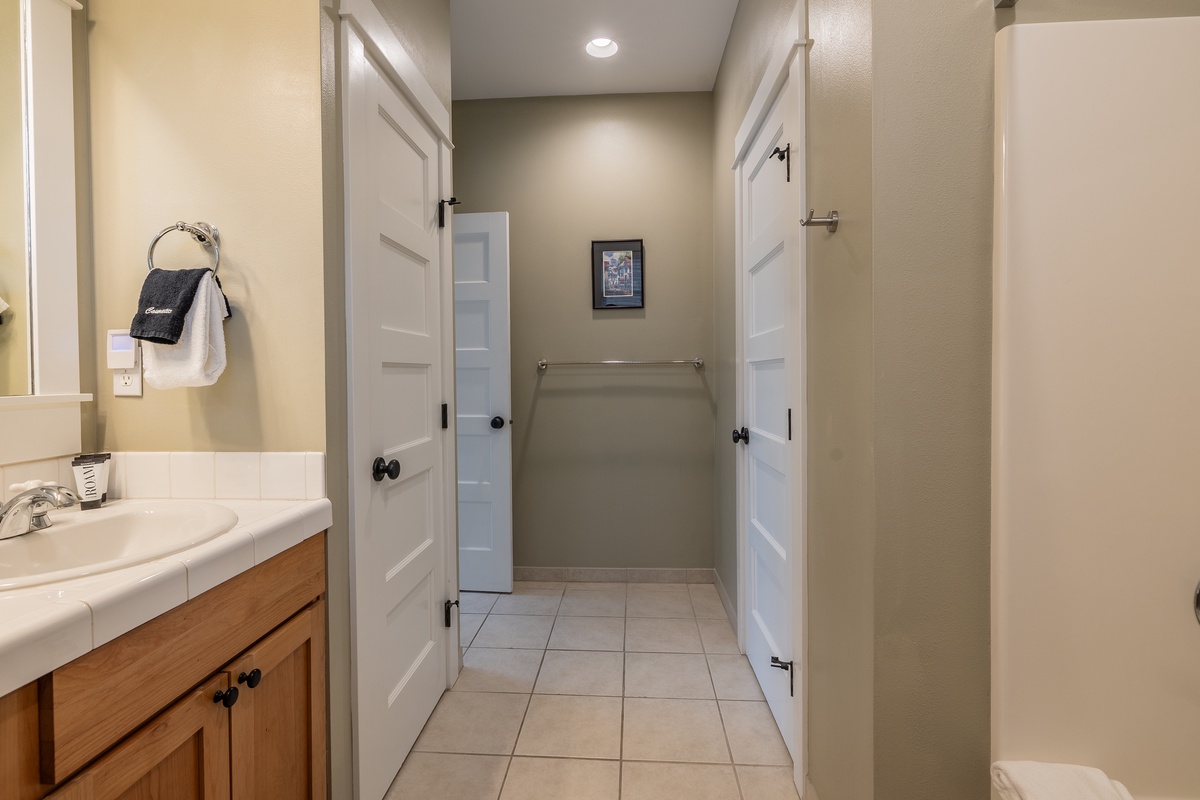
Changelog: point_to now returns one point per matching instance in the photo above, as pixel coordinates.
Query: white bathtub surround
(1095, 340)
(42, 628)
(1034, 780)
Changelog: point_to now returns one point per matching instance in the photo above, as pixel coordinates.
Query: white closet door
(770, 181)
(398, 536)
(484, 402)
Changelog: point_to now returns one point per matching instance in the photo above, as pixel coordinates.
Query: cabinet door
(277, 727)
(182, 754)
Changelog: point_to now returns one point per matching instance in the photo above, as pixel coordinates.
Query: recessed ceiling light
(601, 47)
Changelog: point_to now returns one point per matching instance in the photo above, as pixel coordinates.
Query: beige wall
(14, 333)
(612, 466)
(213, 116)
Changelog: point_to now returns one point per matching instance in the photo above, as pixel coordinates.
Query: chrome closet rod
(695, 362)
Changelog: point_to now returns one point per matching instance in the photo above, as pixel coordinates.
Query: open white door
(484, 402)
(771, 397)
(398, 539)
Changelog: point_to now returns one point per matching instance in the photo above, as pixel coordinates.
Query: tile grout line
(621, 758)
(512, 756)
(624, 669)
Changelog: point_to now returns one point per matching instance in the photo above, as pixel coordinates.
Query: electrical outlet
(127, 382)
(125, 360)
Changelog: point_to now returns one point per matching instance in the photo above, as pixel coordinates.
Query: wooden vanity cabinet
(270, 742)
(277, 725)
(183, 754)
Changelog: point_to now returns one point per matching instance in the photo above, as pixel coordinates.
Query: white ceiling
(528, 48)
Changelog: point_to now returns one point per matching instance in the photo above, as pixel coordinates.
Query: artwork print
(618, 274)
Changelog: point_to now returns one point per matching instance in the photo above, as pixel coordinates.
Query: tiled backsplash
(229, 476)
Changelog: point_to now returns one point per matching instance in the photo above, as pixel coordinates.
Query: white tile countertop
(45, 627)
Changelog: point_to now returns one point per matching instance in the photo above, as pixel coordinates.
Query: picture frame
(618, 274)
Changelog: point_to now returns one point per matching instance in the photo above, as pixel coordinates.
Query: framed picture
(617, 274)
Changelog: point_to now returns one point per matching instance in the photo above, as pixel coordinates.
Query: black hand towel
(167, 295)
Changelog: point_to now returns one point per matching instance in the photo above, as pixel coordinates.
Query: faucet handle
(27, 511)
(18, 488)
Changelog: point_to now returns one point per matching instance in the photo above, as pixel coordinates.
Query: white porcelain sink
(100, 540)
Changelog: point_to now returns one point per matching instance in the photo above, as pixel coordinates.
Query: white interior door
(483, 402)
(398, 538)
(770, 178)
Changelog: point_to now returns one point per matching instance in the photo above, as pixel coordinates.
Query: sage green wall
(932, 221)
(842, 513)
(612, 466)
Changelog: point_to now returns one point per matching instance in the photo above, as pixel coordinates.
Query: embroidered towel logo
(153, 310)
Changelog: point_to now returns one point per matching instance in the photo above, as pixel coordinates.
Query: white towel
(198, 358)
(1034, 780)
(3, 305)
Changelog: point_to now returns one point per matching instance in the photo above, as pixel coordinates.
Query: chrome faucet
(26, 512)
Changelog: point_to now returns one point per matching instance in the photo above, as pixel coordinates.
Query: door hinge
(445, 416)
(789, 424)
(453, 201)
(449, 603)
(786, 666)
(784, 154)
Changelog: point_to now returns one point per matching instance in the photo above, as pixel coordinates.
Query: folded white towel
(198, 358)
(1034, 780)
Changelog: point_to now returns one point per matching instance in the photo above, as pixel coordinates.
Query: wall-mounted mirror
(15, 346)
(39, 354)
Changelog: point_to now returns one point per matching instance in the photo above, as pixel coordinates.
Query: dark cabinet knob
(252, 678)
(497, 422)
(226, 698)
(742, 436)
(381, 469)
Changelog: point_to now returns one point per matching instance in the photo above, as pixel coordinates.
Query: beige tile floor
(599, 691)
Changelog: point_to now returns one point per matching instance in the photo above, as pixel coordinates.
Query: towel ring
(202, 232)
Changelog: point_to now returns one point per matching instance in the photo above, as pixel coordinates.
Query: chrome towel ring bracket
(202, 232)
(830, 222)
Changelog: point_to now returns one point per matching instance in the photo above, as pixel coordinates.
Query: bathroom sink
(100, 540)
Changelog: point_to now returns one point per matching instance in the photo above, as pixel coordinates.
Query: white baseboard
(730, 609)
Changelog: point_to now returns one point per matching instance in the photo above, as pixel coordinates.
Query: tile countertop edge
(79, 615)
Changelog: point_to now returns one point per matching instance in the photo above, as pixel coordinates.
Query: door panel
(770, 281)
(398, 539)
(482, 372)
